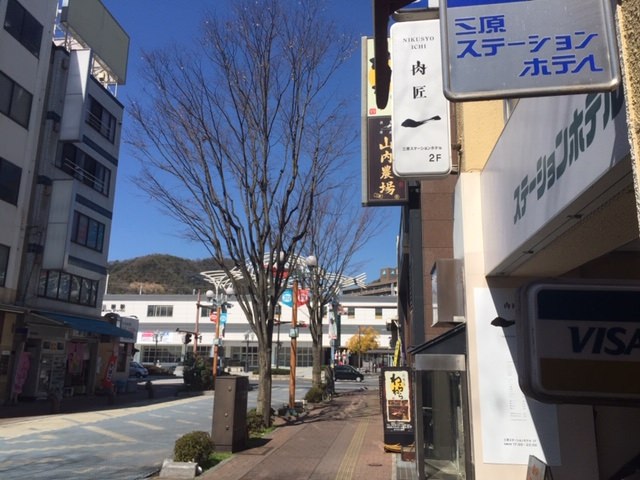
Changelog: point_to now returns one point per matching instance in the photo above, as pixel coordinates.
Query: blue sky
(139, 227)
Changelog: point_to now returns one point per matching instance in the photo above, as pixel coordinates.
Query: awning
(90, 325)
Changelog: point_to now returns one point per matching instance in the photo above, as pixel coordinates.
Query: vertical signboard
(380, 185)
(420, 112)
(517, 48)
(396, 405)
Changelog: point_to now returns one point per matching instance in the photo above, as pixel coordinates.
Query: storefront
(58, 355)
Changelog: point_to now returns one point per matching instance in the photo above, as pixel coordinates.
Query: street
(125, 443)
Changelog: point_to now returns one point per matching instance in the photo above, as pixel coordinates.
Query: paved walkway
(341, 440)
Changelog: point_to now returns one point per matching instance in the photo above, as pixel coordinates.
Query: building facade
(60, 64)
(535, 366)
(165, 320)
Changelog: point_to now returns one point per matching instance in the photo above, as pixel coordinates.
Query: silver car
(137, 370)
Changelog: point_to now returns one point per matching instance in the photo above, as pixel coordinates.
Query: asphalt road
(125, 443)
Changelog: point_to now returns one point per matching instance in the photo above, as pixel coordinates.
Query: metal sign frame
(518, 48)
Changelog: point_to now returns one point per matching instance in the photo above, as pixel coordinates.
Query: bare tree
(334, 237)
(239, 137)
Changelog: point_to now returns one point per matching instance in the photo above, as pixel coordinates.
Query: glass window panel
(85, 292)
(4, 262)
(6, 91)
(92, 234)
(13, 18)
(65, 287)
(52, 284)
(10, 176)
(20, 106)
(74, 295)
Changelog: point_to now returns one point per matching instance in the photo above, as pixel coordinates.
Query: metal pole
(195, 339)
(246, 357)
(216, 346)
(278, 347)
(294, 344)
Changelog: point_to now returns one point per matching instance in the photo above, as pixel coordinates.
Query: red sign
(303, 296)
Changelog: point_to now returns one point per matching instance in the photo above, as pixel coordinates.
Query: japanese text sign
(420, 112)
(517, 48)
(380, 185)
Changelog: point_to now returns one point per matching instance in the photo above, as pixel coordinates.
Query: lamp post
(156, 336)
(310, 263)
(293, 333)
(278, 312)
(222, 306)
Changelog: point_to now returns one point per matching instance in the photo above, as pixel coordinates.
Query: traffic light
(187, 338)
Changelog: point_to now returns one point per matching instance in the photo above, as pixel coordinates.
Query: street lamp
(278, 312)
(156, 336)
(247, 337)
(310, 262)
(222, 306)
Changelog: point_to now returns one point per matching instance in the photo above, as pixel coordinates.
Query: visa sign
(580, 342)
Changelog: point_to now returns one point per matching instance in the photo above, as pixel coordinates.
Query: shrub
(193, 447)
(315, 393)
(255, 424)
(197, 374)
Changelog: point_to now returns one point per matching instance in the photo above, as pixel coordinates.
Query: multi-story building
(60, 123)
(165, 320)
(525, 355)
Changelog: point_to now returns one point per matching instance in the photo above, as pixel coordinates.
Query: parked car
(347, 372)
(137, 370)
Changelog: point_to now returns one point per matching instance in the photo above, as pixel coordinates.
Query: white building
(165, 319)
(60, 122)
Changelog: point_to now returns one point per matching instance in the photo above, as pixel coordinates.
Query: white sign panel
(517, 48)
(513, 427)
(535, 175)
(420, 112)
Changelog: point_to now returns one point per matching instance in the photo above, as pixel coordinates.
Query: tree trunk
(264, 385)
(316, 353)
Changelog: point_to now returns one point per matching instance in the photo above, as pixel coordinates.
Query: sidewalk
(340, 440)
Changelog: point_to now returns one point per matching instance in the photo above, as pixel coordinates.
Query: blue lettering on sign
(563, 155)
(565, 53)
(472, 3)
(610, 341)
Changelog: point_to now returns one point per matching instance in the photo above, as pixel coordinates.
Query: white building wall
(185, 312)
(18, 144)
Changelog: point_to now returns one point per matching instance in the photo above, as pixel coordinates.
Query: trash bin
(229, 428)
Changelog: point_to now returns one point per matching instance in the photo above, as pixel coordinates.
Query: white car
(137, 370)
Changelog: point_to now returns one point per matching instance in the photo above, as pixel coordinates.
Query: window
(23, 27)
(163, 354)
(15, 101)
(85, 168)
(10, 176)
(351, 312)
(87, 232)
(4, 264)
(68, 288)
(101, 120)
(378, 313)
(160, 311)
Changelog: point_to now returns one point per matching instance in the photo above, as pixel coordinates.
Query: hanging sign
(420, 119)
(518, 48)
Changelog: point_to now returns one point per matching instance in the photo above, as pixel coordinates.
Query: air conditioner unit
(447, 291)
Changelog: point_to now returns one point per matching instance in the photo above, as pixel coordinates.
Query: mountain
(159, 274)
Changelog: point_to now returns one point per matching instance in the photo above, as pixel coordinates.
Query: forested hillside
(159, 274)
